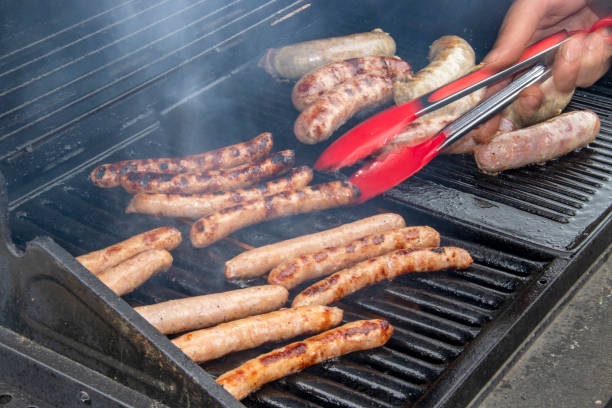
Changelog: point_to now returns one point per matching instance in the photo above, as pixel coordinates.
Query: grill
(131, 79)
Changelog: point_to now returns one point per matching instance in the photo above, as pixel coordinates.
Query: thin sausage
(538, 143)
(253, 331)
(354, 336)
(260, 260)
(131, 273)
(200, 205)
(216, 226)
(450, 58)
(330, 260)
(108, 175)
(192, 313)
(318, 121)
(294, 61)
(98, 261)
(327, 77)
(375, 270)
(211, 181)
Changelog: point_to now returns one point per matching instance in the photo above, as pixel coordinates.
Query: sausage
(131, 273)
(294, 61)
(329, 260)
(260, 260)
(538, 143)
(450, 58)
(108, 175)
(375, 270)
(98, 261)
(327, 77)
(200, 205)
(179, 315)
(354, 336)
(213, 180)
(318, 121)
(212, 228)
(214, 342)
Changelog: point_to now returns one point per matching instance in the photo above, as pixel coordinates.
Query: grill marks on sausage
(108, 175)
(214, 180)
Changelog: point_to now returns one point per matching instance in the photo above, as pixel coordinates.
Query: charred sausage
(327, 77)
(200, 205)
(260, 260)
(375, 270)
(131, 273)
(330, 111)
(294, 61)
(450, 58)
(538, 143)
(175, 316)
(319, 197)
(214, 342)
(98, 261)
(213, 180)
(354, 336)
(108, 175)
(329, 260)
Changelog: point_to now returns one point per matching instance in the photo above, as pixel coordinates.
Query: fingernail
(572, 51)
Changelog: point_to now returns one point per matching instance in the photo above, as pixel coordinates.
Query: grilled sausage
(329, 260)
(330, 111)
(450, 58)
(98, 261)
(538, 143)
(375, 270)
(213, 180)
(131, 273)
(294, 61)
(108, 175)
(200, 205)
(260, 260)
(319, 197)
(253, 331)
(179, 315)
(327, 77)
(354, 336)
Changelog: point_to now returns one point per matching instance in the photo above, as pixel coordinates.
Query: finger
(567, 63)
(485, 132)
(530, 100)
(595, 60)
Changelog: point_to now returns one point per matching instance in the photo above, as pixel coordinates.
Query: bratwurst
(200, 205)
(213, 180)
(319, 197)
(108, 175)
(354, 336)
(329, 260)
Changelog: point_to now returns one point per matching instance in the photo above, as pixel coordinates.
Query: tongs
(396, 166)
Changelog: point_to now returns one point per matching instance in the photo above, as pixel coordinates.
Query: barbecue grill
(116, 79)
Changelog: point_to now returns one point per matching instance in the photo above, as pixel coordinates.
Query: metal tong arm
(493, 105)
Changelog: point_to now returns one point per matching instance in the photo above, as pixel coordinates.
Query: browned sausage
(331, 110)
(260, 260)
(108, 175)
(97, 261)
(375, 270)
(330, 260)
(200, 205)
(294, 61)
(450, 58)
(175, 316)
(319, 197)
(354, 336)
(131, 273)
(214, 342)
(213, 180)
(327, 77)
(538, 143)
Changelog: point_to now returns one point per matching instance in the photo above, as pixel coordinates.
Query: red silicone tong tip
(367, 137)
(385, 173)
